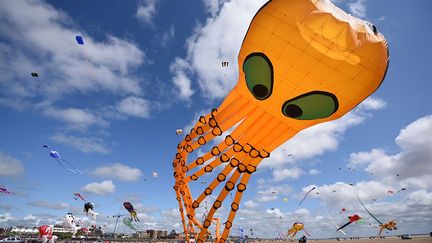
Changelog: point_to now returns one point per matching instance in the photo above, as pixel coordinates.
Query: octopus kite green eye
(301, 63)
(259, 75)
(311, 106)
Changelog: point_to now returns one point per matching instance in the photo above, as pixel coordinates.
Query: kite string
(71, 167)
(331, 219)
(368, 210)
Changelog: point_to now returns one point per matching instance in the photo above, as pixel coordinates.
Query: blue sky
(111, 108)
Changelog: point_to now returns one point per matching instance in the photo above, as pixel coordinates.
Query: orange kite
(302, 62)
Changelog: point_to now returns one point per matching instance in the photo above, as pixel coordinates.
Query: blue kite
(55, 155)
(79, 39)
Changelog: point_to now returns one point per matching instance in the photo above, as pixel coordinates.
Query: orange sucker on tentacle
(302, 62)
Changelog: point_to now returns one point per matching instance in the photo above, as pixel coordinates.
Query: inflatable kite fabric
(297, 226)
(79, 40)
(69, 222)
(128, 223)
(88, 210)
(133, 214)
(6, 191)
(301, 63)
(353, 218)
(45, 234)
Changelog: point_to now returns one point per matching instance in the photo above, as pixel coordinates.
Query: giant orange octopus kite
(302, 62)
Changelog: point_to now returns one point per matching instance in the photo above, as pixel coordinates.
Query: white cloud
(213, 6)
(146, 12)
(30, 220)
(4, 218)
(29, 217)
(50, 205)
(373, 104)
(134, 106)
(10, 166)
(216, 41)
(34, 28)
(341, 194)
(268, 192)
(36, 37)
(165, 38)
(75, 118)
(358, 8)
(283, 174)
(314, 172)
(251, 204)
(118, 171)
(382, 18)
(410, 167)
(182, 82)
(101, 188)
(72, 115)
(86, 145)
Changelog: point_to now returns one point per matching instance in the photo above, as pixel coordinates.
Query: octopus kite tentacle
(302, 62)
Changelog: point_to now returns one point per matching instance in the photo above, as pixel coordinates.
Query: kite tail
(72, 168)
(306, 232)
(343, 226)
(281, 235)
(305, 196)
(293, 235)
(368, 210)
(331, 219)
(59, 163)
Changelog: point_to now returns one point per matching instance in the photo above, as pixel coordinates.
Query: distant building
(162, 234)
(141, 234)
(58, 228)
(151, 234)
(154, 234)
(23, 230)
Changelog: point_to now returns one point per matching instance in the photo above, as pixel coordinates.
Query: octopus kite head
(302, 62)
(307, 62)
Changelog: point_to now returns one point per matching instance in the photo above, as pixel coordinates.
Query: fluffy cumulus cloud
(412, 166)
(118, 171)
(358, 8)
(251, 204)
(213, 6)
(314, 172)
(219, 39)
(4, 218)
(9, 166)
(83, 144)
(180, 69)
(165, 38)
(36, 37)
(100, 188)
(134, 106)
(50, 205)
(146, 11)
(29, 220)
(64, 66)
(291, 173)
(270, 192)
(78, 119)
(406, 208)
